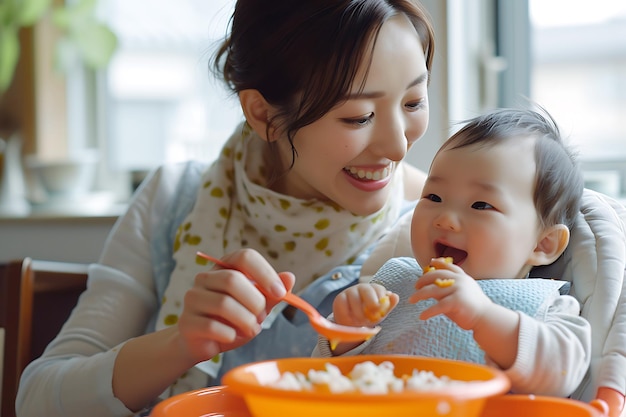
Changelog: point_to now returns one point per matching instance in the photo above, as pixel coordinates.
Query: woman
(334, 94)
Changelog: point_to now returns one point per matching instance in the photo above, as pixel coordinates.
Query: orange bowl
(466, 400)
(213, 401)
(540, 406)
(220, 401)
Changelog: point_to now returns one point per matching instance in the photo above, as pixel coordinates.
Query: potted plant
(83, 38)
(82, 33)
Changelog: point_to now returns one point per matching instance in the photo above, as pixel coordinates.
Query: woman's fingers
(211, 328)
(288, 279)
(252, 264)
(239, 308)
(233, 284)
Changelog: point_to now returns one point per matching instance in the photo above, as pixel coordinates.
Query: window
(161, 103)
(579, 74)
(571, 59)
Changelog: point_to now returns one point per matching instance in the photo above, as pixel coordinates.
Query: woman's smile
(369, 179)
(365, 173)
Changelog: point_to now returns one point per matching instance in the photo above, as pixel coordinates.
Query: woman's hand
(224, 310)
(459, 296)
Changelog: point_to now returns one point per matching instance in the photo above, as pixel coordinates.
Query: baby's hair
(303, 55)
(558, 180)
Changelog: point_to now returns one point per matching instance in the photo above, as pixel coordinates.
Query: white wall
(69, 239)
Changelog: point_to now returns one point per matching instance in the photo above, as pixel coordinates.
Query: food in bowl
(365, 377)
(254, 382)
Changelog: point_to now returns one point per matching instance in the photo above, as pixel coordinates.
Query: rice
(365, 377)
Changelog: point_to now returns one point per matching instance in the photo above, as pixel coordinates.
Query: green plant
(83, 35)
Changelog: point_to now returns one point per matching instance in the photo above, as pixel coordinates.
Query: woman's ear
(552, 243)
(256, 110)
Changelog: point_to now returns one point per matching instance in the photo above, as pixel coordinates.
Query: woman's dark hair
(303, 55)
(558, 180)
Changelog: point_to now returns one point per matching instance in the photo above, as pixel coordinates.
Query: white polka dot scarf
(234, 210)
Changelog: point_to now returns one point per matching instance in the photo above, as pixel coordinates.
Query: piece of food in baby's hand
(380, 311)
(441, 282)
(444, 282)
(372, 315)
(447, 259)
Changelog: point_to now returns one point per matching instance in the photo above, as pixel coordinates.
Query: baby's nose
(448, 221)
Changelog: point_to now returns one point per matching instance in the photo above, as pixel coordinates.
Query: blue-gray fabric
(404, 332)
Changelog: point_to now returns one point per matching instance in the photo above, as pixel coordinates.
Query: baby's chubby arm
(364, 304)
(461, 299)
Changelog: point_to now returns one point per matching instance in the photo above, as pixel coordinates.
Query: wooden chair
(36, 297)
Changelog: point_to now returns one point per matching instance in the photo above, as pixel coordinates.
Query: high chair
(36, 297)
(595, 262)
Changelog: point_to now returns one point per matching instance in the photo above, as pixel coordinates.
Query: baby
(500, 198)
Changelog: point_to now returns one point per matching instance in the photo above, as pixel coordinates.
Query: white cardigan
(595, 263)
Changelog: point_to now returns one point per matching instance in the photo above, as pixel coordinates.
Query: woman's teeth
(373, 175)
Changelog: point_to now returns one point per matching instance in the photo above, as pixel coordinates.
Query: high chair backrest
(36, 298)
(595, 262)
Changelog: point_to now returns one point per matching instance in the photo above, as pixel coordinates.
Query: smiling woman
(277, 197)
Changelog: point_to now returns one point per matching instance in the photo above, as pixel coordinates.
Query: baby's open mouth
(458, 255)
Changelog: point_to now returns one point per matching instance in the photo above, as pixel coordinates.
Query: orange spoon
(332, 331)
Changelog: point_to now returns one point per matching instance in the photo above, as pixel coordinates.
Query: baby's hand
(458, 295)
(441, 282)
(363, 305)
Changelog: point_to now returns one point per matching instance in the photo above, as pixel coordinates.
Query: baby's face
(477, 207)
